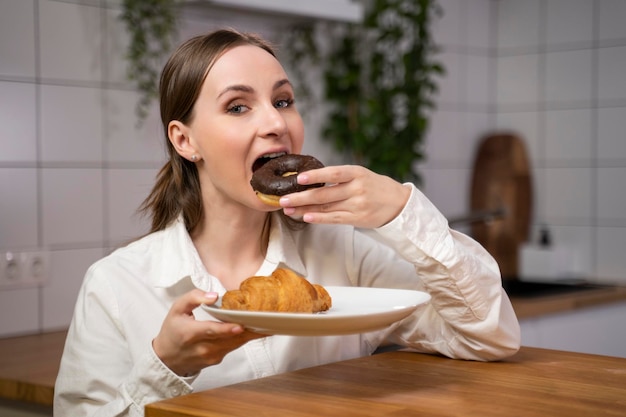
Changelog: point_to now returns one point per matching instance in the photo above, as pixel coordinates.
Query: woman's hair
(177, 188)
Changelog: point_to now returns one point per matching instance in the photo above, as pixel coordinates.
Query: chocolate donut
(278, 177)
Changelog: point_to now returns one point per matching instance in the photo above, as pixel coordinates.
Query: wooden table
(29, 367)
(29, 364)
(534, 382)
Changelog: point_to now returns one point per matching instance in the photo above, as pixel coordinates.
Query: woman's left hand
(355, 196)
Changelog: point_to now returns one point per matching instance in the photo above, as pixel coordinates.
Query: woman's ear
(178, 135)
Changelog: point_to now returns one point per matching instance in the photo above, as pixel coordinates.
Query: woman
(138, 334)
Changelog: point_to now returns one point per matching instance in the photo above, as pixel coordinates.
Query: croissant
(283, 291)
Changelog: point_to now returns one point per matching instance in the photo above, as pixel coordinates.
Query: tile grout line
(595, 130)
(38, 155)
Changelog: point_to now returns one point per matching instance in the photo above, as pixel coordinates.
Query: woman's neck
(232, 245)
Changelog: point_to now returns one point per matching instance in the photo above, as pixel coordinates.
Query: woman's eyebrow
(236, 87)
(247, 89)
(280, 83)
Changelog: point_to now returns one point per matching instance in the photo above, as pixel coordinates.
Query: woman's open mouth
(265, 158)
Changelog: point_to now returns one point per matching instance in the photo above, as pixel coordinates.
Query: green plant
(379, 82)
(151, 25)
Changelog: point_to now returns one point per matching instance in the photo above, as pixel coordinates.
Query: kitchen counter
(29, 367)
(534, 382)
(29, 364)
(543, 300)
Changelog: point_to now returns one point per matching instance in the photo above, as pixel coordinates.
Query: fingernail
(211, 295)
(303, 179)
(284, 201)
(307, 218)
(289, 211)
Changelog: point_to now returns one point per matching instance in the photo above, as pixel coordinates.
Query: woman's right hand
(186, 345)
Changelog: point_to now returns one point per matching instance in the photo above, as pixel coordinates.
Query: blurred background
(75, 164)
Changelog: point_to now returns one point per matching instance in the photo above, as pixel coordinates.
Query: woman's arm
(469, 315)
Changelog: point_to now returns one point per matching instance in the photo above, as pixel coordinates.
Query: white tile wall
(72, 202)
(465, 102)
(125, 141)
(611, 70)
(127, 190)
(518, 24)
(452, 203)
(564, 186)
(450, 87)
(567, 135)
(611, 261)
(71, 124)
(611, 15)
(574, 123)
(18, 141)
(612, 194)
(568, 76)
(569, 22)
(445, 128)
(478, 79)
(517, 80)
(448, 30)
(17, 22)
(73, 53)
(478, 14)
(116, 38)
(611, 135)
(18, 208)
(20, 311)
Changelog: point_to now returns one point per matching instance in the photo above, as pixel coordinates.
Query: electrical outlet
(23, 269)
(34, 267)
(10, 266)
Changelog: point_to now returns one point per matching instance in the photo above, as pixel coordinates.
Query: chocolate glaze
(269, 178)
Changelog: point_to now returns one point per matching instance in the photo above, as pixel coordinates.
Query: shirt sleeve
(469, 315)
(98, 375)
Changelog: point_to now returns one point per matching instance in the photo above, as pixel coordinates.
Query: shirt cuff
(152, 381)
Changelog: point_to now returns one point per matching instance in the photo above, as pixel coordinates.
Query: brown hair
(177, 188)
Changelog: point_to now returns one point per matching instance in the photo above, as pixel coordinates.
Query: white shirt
(109, 368)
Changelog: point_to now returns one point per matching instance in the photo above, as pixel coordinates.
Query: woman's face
(245, 112)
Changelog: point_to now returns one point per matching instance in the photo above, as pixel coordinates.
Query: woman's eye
(237, 108)
(284, 103)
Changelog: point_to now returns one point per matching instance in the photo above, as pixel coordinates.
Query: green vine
(379, 82)
(151, 25)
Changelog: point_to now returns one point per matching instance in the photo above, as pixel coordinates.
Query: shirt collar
(179, 258)
(282, 248)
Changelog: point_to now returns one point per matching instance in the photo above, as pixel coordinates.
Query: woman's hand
(186, 345)
(356, 196)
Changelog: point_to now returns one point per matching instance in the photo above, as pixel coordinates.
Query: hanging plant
(379, 82)
(151, 25)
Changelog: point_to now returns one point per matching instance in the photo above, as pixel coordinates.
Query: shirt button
(175, 392)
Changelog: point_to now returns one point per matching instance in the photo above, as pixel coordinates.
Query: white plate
(354, 310)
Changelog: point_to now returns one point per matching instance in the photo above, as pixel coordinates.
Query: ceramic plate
(354, 310)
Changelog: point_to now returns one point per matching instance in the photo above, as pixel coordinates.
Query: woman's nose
(272, 122)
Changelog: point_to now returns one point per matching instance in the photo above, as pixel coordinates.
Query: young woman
(138, 334)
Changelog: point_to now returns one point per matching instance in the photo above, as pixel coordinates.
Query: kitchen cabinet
(599, 329)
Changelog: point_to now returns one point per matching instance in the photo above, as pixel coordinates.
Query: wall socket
(23, 269)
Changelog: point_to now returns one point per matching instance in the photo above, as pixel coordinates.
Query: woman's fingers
(186, 345)
(355, 196)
